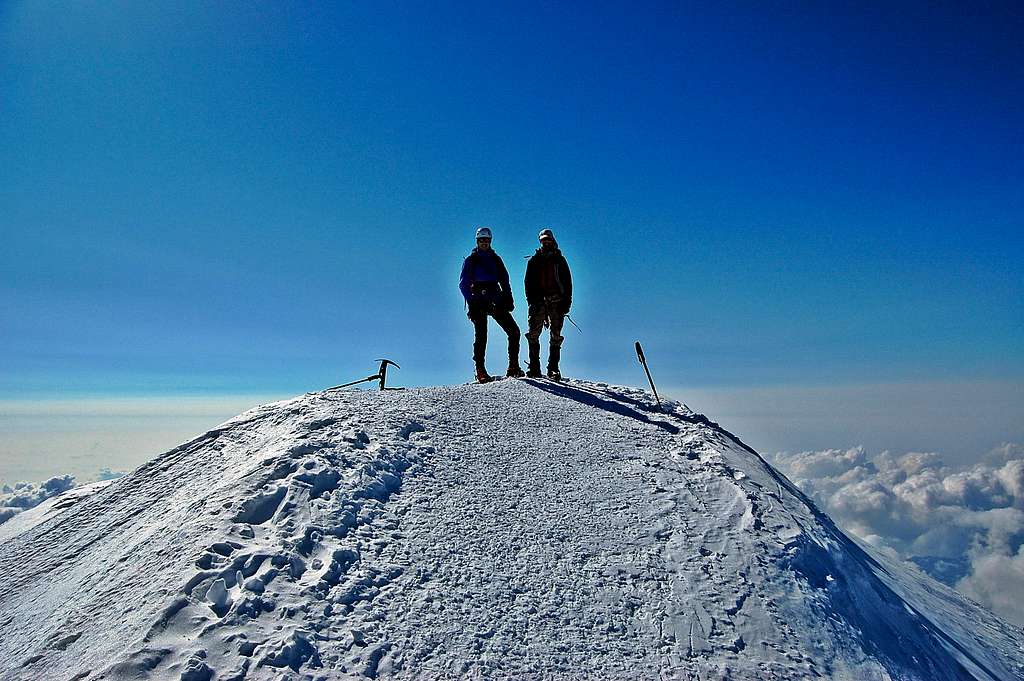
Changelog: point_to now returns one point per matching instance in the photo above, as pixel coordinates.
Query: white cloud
(25, 495)
(964, 525)
(996, 581)
(107, 474)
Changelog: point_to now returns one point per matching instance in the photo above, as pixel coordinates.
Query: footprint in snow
(410, 428)
(261, 508)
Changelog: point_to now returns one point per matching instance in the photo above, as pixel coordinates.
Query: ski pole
(574, 324)
(643, 361)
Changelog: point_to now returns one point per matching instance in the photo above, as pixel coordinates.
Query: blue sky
(213, 198)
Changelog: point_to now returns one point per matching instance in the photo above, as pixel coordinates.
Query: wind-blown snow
(520, 528)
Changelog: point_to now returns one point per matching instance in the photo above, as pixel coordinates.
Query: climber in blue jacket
(484, 285)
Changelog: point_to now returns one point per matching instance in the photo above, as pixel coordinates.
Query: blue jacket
(484, 267)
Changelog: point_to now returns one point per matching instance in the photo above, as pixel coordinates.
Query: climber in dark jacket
(484, 285)
(549, 296)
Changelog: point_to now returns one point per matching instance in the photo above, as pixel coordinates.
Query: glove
(566, 304)
(509, 303)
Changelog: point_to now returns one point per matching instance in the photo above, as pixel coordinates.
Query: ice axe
(643, 360)
(381, 376)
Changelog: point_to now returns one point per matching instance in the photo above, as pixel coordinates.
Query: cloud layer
(25, 495)
(963, 525)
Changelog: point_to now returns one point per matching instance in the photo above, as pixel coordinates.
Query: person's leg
(479, 341)
(555, 352)
(536, 323)
(508, 324)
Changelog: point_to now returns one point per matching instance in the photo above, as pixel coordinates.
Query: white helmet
(484, 233)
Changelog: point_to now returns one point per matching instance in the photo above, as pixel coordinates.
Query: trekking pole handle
(643, 361)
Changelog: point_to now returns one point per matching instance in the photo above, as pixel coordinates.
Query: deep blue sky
(219, 197)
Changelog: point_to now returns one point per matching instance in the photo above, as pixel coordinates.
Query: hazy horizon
(81, 436)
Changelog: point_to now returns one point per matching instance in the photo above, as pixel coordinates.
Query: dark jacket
(484, 280)
(547, 275)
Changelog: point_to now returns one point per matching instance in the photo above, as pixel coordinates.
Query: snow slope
(514, 529)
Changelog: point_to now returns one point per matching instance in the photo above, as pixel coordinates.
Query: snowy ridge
(514, 529)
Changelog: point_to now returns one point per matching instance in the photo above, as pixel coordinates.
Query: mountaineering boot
(533, 370)
(553, 356)
(481, 374)
(514, 370)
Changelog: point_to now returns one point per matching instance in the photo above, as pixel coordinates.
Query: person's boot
(514, 370)
(553, 356)
(481, 374)
(533, 370)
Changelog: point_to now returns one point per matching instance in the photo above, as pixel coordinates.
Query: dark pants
(541, 315)
(508, 325)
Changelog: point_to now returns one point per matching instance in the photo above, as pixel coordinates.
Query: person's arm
(566, 286)
(529, 282)
(506, 287)
(503, 275)
(466, 279)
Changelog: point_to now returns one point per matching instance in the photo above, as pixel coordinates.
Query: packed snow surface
(515, 529)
